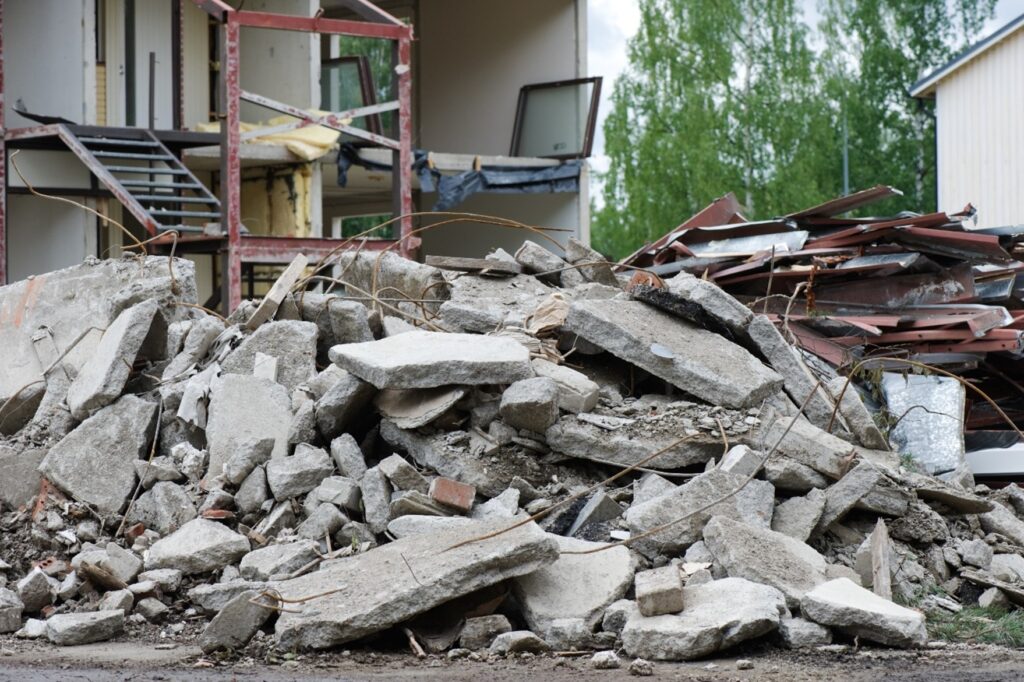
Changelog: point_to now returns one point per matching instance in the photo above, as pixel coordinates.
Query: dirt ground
(118, 661)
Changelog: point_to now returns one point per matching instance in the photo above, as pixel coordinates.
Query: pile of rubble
(871, 293)
(510, 454)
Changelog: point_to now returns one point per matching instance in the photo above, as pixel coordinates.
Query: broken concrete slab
(19, 475)
(537, 260)
(792, 476)
(411, 409)
(649, 486)
(530, 404)
(753, 505)
(798, 516)
(292, 476)
(165, 508)
(161, 468)
(797, 633)
(340, 491)
(479, 632)
(342, 404)
(348, 457)
(483, 304)
(741, 460)
(841, 497)
(376, 492)
(718, 615)
(1003, 521)
(197, 547)
(101, 379)
(659, 591)
(273, 561)
(366, 273)
(599, 507)
(245, 409)
(69, 629)
(95, 462)
(246, 457)
(857, 612)
(802, 386)
(397, 581)
(807, 444)
(591, 264)
(692, 359)
(403, 476)
(236, 623)
(338, 320)
(855, 413)
(576, 392)
(10, 611)
(578, 586)
(35, 591)
(324, 521)
(68, 303)
(293, 343)
(423, 359)
(765, 557)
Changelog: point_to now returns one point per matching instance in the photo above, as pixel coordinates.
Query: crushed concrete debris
(320, 469)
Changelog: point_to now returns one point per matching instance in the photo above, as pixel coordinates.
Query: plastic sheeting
(930, 413)
(452, 190)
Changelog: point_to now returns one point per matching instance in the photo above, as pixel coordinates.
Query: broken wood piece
(272, 301)
(881, 569)
(481, 265)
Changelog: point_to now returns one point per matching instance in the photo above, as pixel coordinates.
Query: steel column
(231, 171)
(401, 160)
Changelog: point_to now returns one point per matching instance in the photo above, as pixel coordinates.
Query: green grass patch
(979, 625)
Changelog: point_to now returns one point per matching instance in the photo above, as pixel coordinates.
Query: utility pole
(846, 155)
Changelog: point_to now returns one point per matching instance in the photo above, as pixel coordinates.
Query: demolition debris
(505, 455)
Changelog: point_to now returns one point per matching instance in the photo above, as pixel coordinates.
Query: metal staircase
(149, 181)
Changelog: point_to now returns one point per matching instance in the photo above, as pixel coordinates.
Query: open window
(347, 83)
(556, 120)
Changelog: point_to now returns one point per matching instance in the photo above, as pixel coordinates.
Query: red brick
(452, 494)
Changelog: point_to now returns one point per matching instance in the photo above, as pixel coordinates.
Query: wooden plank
(881, 570)
(272, 301)
(481, 265)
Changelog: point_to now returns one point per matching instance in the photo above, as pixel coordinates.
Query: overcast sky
(612, 22)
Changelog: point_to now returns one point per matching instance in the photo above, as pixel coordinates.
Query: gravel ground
(180, 662)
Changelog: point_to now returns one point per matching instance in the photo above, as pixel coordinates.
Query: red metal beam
(287, 22)
(281, 250)
(3, 161)
(231, 168)
(402, 160)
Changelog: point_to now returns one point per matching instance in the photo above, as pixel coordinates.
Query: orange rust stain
(28, 299)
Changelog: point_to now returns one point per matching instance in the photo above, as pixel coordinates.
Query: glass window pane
(555, 120)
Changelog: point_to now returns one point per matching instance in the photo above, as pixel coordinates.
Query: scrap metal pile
(484, 457)
(872, 293)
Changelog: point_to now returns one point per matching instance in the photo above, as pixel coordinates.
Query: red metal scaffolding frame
(256, 248)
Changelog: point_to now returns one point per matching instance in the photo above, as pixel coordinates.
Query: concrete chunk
(788, 474)
(592, 265)
(577, 586)
(69, 629)
(19, 475)
(797, 633)
(165, 508)
(266, 562)
(753, 505)
(691, 359)
(348, 457)
(1003, 521)
(95, 462)
(197, 547)
(104, 374)
(530, 404)
(244, 410)
(858, 612)
(376, 499)
(397, 581)
(235, 624)
(403, 476)
(293, 343)
(810, 446)
(342, 404)
(10, 611)
(765, 557)
(798, 516)
(292, 476)
(576, 392)
(659, 591)
(841, 497)
(718, 615)
(479, 632)
(411, 409)
(428, 359)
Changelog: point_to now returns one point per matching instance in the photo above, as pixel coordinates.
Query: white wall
(981, 137)
(282, 65)
(44, 235)
(153, 27)
(196, 71)
(474, 55)
(49, 59)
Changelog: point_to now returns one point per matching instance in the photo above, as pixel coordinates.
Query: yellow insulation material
(308, 143)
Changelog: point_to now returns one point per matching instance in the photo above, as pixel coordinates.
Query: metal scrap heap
(497, 457)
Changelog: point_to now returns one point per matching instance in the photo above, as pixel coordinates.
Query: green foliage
(977, 625)
(731, 95)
